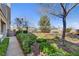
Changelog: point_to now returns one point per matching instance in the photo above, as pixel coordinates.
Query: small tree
(44, 24)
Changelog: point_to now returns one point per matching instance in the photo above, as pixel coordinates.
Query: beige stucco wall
(8, 14)
(5, 19)
(2, 17)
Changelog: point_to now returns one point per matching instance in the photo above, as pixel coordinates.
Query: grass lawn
(51, 36)
(45, 35)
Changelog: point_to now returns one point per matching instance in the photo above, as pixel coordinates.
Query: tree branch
(57, 15)
(64, 10)
(72, 8)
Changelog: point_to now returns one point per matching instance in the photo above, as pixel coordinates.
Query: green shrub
(26, 47)
(57, 51)
(26, 41)
(51, 49)
(44, 45)
(17, 32)
(4, 46)
(24, 31)
(41, 40)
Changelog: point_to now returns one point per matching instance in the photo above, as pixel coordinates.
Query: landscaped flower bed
(3, 46)
(27, 40)
(51, 49)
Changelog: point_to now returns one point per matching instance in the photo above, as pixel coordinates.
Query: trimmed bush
(3, 46)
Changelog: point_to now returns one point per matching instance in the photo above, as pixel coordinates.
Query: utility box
(35, 49)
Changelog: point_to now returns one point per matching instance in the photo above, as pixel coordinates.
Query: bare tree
(21, 23)
(60, 10)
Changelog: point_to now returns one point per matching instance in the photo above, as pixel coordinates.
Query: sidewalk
(14, 48)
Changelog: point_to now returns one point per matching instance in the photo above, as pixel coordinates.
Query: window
(2, 27)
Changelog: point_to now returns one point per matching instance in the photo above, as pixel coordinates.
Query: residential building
(4, 19)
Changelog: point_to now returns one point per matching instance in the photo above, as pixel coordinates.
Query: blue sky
(30, 12)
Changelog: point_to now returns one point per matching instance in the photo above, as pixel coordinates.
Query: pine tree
(44, 24)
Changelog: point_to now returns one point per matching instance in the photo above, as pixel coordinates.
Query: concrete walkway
(14, 48)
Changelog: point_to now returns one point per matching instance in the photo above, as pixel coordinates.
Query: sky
(30, 11)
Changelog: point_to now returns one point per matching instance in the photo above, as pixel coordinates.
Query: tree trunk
(27, 29)
(64, 30)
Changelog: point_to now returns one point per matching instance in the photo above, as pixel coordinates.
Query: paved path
(14, 48)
